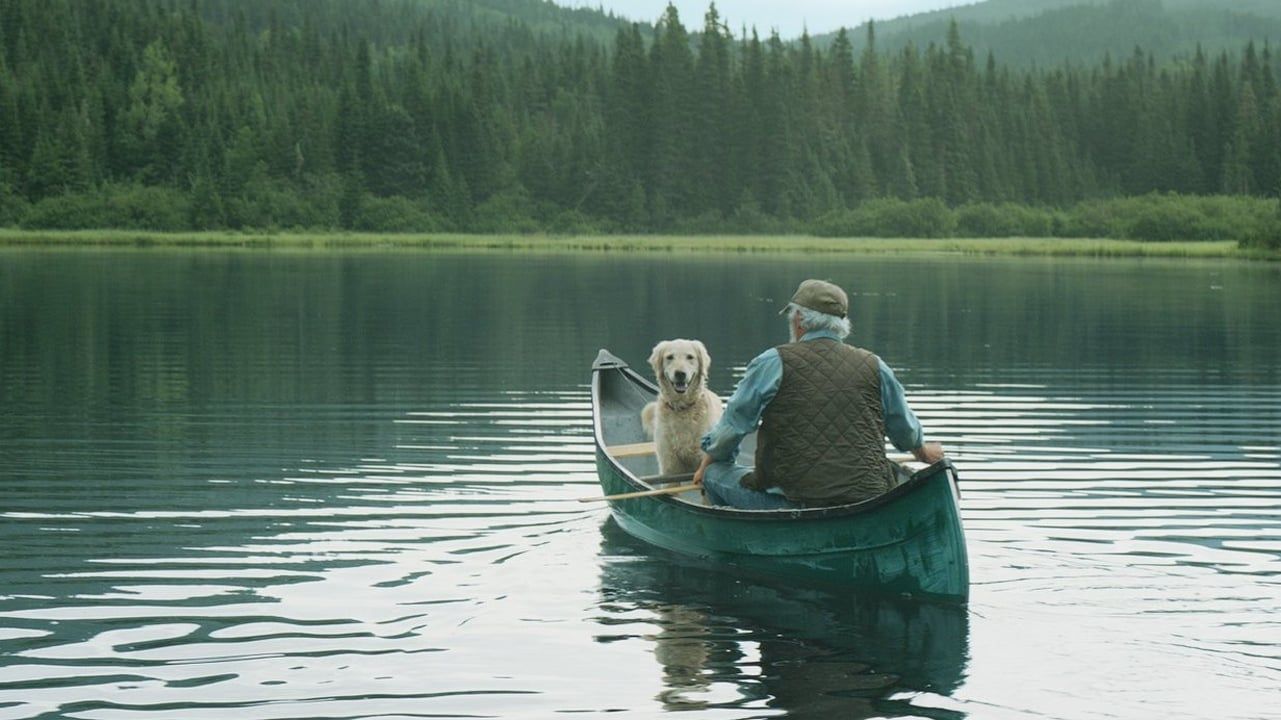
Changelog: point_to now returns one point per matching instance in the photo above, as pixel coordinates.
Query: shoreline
(1013, 246)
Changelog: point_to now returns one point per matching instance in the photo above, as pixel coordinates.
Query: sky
(789, 16)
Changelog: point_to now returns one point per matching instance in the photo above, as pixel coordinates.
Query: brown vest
(822, 437)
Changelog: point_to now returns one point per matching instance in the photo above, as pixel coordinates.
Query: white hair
(812, 320)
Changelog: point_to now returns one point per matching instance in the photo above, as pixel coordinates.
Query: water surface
(295, 485)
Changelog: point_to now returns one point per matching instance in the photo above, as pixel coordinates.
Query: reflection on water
(295, 485)
(718, 638)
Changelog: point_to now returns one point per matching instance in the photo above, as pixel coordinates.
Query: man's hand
(702, 468)
(929, 453)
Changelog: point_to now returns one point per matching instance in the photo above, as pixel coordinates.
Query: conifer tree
(710, 143)
(672, 117)
(151, 119)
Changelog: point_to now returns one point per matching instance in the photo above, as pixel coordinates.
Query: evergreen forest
(1046, 33)
(519, 116)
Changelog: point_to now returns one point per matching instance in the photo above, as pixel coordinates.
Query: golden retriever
(685, 409)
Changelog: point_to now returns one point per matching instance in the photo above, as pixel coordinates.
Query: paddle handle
(671, 490)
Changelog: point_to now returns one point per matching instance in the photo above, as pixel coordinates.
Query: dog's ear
(656, 357)
(704, 360)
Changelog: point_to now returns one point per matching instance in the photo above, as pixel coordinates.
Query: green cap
(822, 296)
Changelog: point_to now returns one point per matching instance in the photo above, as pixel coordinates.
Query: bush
(509, 211)
(13, 207)
(574, 222)
(393, 215)
(1089, 219)
(1227, 217)
(1166, 217)
(1266, 235)
(126, 207)
(269, 205)
(888, 217)
(68, 212)
(749, 219)
(983, 220)
(838, 223)
(322, 194)
(1033, 222)
(316, 204)
(1005, 220)
(710, 222)
(1163, 222)
(149, 208)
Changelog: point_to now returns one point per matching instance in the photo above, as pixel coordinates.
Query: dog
(685, 410)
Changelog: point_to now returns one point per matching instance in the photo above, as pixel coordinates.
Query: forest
(1046, 33)
(516, 116)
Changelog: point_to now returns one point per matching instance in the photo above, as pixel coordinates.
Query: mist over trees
(496, 116)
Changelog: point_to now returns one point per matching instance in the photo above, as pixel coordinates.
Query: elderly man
(824, 410)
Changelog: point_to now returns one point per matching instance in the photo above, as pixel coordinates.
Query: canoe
(908, 541)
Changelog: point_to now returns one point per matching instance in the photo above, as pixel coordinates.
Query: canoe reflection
(725, 641)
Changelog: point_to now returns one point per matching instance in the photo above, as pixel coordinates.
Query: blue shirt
(760, 384)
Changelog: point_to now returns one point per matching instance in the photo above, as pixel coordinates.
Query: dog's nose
(680, 376)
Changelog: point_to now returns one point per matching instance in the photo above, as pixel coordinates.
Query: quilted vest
(822, 437)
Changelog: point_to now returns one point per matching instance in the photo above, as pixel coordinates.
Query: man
(824, 410)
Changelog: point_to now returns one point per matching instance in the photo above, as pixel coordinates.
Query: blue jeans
(721, 482)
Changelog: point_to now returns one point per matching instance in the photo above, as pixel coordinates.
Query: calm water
(276, 485)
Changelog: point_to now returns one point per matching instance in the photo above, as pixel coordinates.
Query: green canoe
(908, 541)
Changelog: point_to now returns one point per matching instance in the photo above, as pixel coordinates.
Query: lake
(340, 485)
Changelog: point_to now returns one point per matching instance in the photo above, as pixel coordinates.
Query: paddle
(669, 490)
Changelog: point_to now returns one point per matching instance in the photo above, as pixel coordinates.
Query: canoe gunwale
(607, 362)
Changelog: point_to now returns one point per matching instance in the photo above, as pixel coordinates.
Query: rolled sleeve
(743, 411)
(901, 425)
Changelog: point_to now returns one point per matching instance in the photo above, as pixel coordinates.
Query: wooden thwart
(631, 450)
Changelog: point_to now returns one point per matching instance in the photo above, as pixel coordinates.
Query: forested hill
(1048, 33)
(486, 116)
(394, 22)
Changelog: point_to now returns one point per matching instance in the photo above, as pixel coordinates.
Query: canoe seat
(631, 450)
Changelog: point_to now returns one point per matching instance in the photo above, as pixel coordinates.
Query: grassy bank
(629, 243)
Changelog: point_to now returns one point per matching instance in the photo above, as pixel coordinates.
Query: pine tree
(711, 187)
(393, 166)
(1201, 121)
(777, 179)
(152, 122)
(1238, 174)
(957, 108)
(627, 102)
(11, 147)
(1223, 106)
(843, 82)
(672, 69)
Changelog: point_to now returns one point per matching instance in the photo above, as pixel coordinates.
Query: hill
(1045, 33)
(392, 22)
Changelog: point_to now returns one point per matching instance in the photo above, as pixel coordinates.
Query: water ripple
(359, 506)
